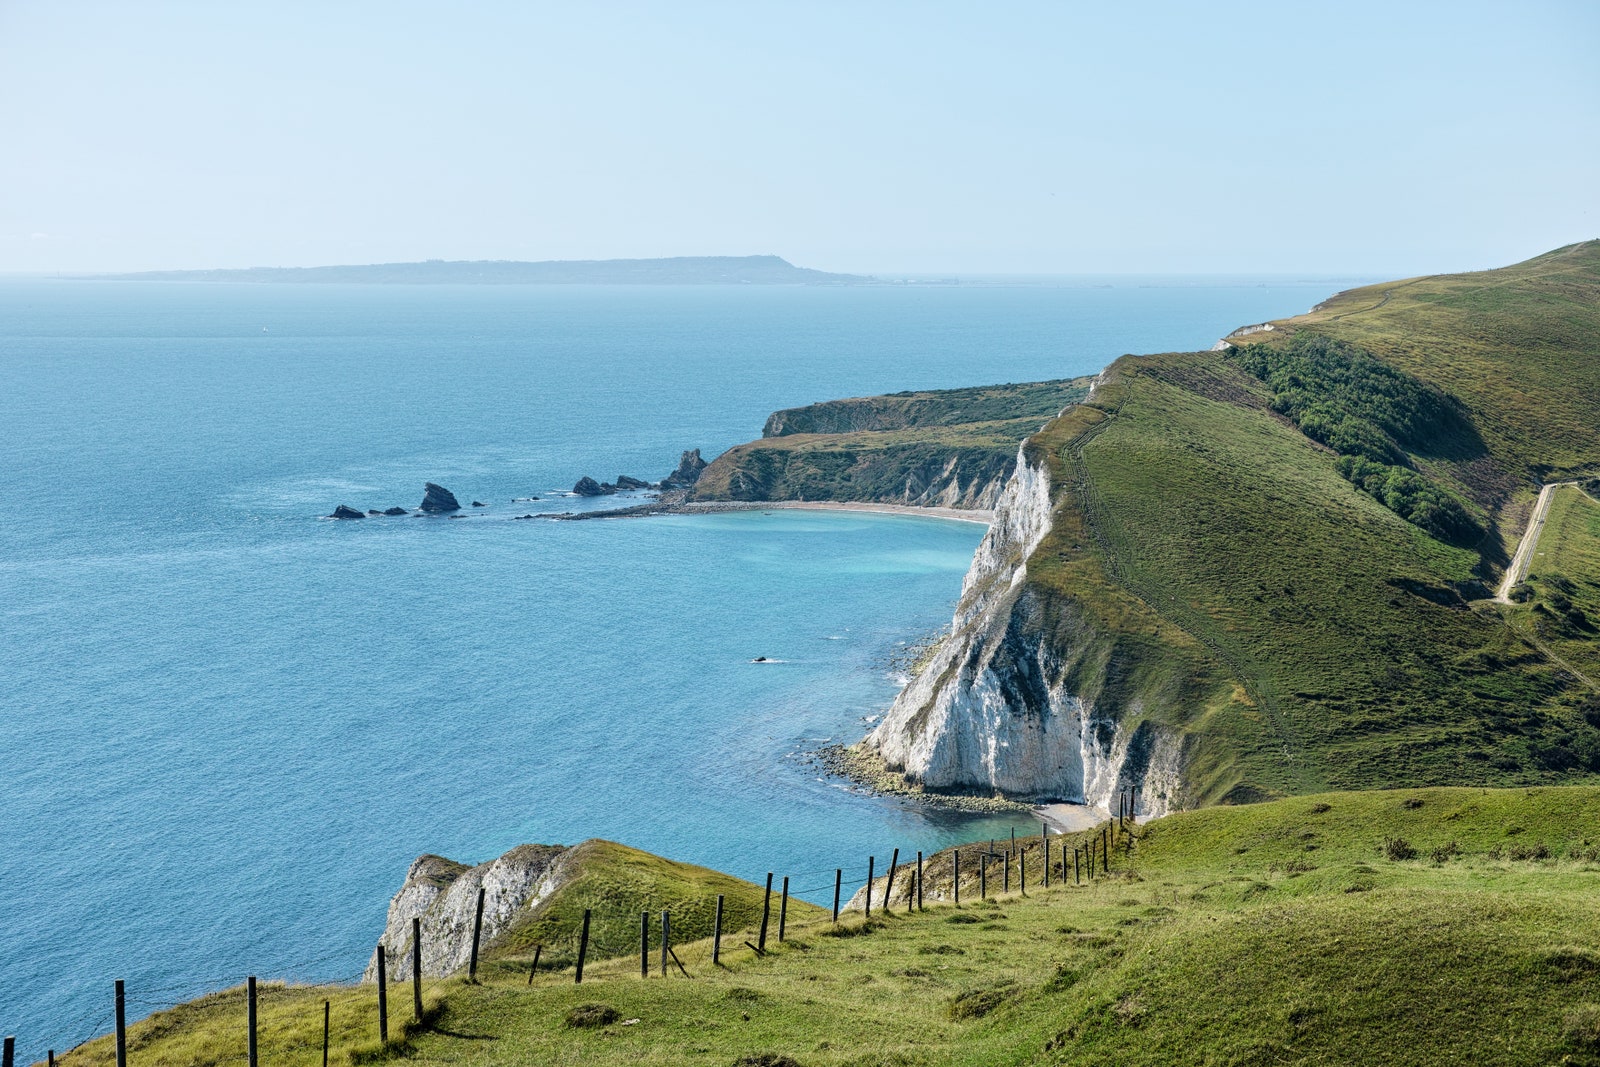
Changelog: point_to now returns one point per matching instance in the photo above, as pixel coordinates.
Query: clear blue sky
(1386, 137)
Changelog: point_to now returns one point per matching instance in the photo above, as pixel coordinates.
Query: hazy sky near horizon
(1053, 137)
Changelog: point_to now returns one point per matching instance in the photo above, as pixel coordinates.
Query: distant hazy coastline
(678, 270)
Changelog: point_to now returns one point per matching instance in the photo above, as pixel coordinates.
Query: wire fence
(973, 871)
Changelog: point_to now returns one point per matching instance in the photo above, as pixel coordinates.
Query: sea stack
(343, 512)
(689, 467)
(587, 486)
(438, 499)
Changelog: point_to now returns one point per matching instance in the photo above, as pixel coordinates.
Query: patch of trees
(1373, 416)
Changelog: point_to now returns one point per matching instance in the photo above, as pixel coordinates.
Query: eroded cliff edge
(1024, 697)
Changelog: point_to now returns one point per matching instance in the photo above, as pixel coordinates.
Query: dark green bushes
(1413, 498)
(1374, 416)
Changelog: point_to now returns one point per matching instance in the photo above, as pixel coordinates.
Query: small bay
(228, 725)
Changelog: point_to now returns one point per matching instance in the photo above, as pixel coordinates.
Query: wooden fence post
(870, 861)
(766, 911)
(955, 873)
(1044, 846)
(919, 880)
(416, 968)
(983, 876)
(122, 1026)
(716, 934)
(838, 883)
(583, 947)
(666, 941)
(250, 1021)
(1022, 871)
(783, 909)
(477, 934)
(327, 1011)
(888, 885)
(1105, 856)
(644, 944)
(1005, 873)
(383, 996)
(1077, 878)
(8, 1054)
(533, 970)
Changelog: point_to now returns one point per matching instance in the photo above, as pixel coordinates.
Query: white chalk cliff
(1009, 702)
(444, 895)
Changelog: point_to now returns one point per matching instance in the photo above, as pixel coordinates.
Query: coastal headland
(1243, 601)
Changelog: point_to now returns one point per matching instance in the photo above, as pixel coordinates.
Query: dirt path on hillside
(1530, 541)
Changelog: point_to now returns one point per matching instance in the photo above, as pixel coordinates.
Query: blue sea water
(227, 725)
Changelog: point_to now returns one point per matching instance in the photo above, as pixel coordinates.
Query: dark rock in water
(342, 512)
(587, 486)
(374, 511)
(688, 472)
(479, 504)
(625, 482)
(759, 659)
(458, 516)
(394, 511)
(437, 498)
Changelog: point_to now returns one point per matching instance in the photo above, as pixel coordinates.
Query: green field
(1434, 926)
(1562, 606)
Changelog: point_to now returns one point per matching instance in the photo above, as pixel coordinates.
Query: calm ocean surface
(227, 726)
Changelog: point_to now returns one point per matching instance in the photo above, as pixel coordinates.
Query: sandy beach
(986, 518)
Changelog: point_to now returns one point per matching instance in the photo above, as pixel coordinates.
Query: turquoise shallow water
(227, 725)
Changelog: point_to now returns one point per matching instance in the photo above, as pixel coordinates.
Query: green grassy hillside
(950, 446)
(616, 883)
(1561, 598)
(1289, 547)
(1436, 926)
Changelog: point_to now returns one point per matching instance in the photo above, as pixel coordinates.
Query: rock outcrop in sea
(345, 512)
(438, 499)
(587, 486)
(1010, 701)
(690, 465)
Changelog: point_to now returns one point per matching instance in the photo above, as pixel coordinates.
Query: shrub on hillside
(1398, 848)
(1413, 498)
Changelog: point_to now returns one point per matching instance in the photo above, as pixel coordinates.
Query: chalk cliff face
(1014, 700)
(444, 895)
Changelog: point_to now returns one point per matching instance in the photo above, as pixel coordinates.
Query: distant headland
(677, 270)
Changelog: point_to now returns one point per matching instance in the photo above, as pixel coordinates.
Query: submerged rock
(342, 512)
(437, 498)
(374, 511)
(689, 467)
(479, 504)
(587, 486)
(394, 511)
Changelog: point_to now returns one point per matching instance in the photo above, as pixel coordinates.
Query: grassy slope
(1520, 345)
(616, 883)
(888, 444)
(1186, 503)
(1275, 933)
(1564, 581)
